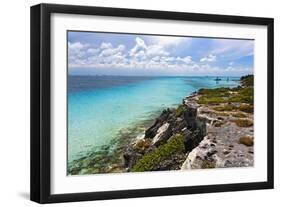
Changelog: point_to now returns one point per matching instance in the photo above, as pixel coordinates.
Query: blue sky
(91, 53)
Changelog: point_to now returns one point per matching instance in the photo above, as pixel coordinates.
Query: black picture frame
(41, 99)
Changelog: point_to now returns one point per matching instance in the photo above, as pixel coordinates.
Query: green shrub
(243, 107)
(221, 113)
(246, 108)
(210, 100)
(219, 92)
(212, 96)
(239, 115)
(243, 122)
(227, 107)
(174, 145)
(246, 140)
(247, 80)
(142, 144)
(179, 110)
(243, 95)
(208, 164)
(239, 94)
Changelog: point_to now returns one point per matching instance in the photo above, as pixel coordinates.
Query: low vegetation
(219, 113)
(179, 110)
(243, 122)
(227, 107)
(208, 164)
(142, 144)
(239, 115)
(246, 108)
(153, 158)
(241, 94)
(247, 81)
(246, 140)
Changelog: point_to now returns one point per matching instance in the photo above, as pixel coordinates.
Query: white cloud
(209, 58)
(187, 59)
(156, 50)
(141, 56)
(93, 51)
(140, 42)
(105, 45)
(75, 46)
(140, 46)
(108, 51)
(77, 49)
(144, 55)
(169, 40)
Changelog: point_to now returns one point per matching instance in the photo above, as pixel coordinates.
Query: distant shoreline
(164, 76)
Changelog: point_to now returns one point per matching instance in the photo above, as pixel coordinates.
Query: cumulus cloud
(93, 51)
(209, 58)
(110, 51)
(77, 49)
(142, 55)
(187, 59)
(169, 40)
(105, 45)
(140, 46)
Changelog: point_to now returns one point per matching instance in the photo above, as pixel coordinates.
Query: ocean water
(100, 106)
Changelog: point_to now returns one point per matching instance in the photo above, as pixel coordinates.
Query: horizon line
(159, 75)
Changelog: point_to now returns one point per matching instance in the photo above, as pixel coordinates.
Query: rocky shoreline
(212, 128)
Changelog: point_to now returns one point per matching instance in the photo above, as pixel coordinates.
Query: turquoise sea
(99, 107)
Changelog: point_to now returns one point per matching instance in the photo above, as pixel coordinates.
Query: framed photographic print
(132, 103)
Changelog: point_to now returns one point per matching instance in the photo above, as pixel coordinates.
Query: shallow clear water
(100, 106)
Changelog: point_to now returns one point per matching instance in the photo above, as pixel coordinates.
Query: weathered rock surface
(225, 144)
(163, 133)
(152, 131)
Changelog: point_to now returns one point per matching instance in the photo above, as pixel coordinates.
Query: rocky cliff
(179, 128)
(211, 128)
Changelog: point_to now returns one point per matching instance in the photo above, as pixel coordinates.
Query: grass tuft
(208, 164)
(174, 145)
(179, 110)
(243, 122)
(142, 144)
(247, 80)
(244, 94)
(246, 140)
(246, 108)
(227, 107)
(243, 107)
(221, 113)
(239, 115)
